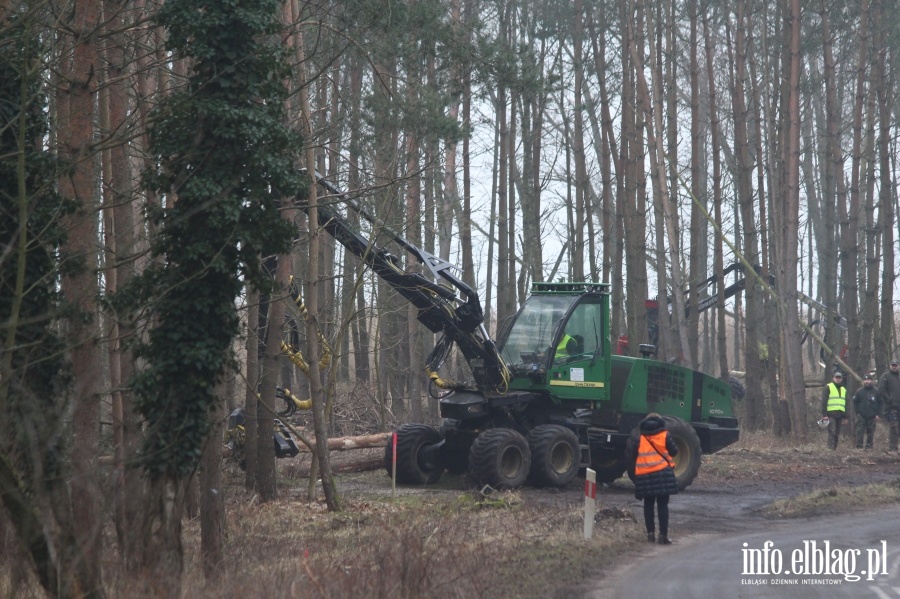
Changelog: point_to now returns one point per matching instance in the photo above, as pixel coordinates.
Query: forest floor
(448, 540)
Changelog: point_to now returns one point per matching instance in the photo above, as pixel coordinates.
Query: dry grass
(443, 541)
(413, 546)
(435, 543)
(836, 499)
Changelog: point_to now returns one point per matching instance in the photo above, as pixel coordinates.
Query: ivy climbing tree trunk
(220, 146)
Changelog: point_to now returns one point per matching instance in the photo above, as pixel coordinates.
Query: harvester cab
(555, 344)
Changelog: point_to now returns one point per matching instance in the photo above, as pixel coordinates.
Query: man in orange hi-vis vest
(654, 473)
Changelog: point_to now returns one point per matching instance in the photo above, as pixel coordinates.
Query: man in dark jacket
(867, 404)
(654, 473)
(889, 385)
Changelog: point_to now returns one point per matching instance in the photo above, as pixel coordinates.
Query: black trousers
(662, 505)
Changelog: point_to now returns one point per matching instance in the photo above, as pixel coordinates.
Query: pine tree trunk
(80, 288)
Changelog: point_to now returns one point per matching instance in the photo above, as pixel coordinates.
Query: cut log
(336, 444)
(361, 442)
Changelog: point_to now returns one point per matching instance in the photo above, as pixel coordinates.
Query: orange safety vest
(652, 454)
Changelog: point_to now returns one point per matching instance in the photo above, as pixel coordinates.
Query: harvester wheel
(417, 463)
(456, 462)
(500, 458)
(738, 391)
(609, 468)
(687, 462)
(631, 452)
(555, 456)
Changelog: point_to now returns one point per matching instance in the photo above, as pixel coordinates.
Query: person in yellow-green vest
(568, 346)
(834, 406)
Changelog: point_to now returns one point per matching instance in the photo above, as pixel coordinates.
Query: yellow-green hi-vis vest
(837, 400)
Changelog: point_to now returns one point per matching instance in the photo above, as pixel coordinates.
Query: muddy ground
(736, 485)
(730, 493)
(541, 529)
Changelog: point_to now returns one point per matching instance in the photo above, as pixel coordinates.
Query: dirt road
(851, 555)
(722, 510)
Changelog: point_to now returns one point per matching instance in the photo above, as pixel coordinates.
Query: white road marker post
(590, 502)
(394, 465)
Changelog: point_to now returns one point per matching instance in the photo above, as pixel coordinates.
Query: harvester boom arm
(440, 309)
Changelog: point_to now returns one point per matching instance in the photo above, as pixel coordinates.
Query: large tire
(687, 462)
(456, 462)
(500, 458)
(456, 459)
(415, 464)
(738, 391)
(555, 456)
(631, 452)
(609, 468)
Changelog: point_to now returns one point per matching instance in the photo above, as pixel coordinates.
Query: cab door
(579, 369)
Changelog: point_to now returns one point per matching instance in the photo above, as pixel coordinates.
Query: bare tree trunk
(792, 366)
(332, 499)
(80, 287)
(697, 141)
(412, 313)
(511, 278)
(162, 557)
(504, 159)
(465, 219)
(883, 336)
(274, 304)
(212, 492)
(835, 185)
(251, 399)
(632, 211)
(613, 243)
(869, 240)
(755, 357)
(316, 393)
(359, 324)
(490, 316)
(119, 233)
(721, 341)
(582, 196)
(653, 124)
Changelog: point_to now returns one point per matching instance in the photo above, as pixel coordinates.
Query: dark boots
(663, 539)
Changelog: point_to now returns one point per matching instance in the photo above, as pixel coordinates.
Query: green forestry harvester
(550, 398)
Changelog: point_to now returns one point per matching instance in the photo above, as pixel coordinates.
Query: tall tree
(709, 50)
(788, 224)
(221, 146)
(883, 83)
(755, 357)
(631, 204)
(653, 124)
(582, 197)
(79, 283)
(34, 477)
(697, 190)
